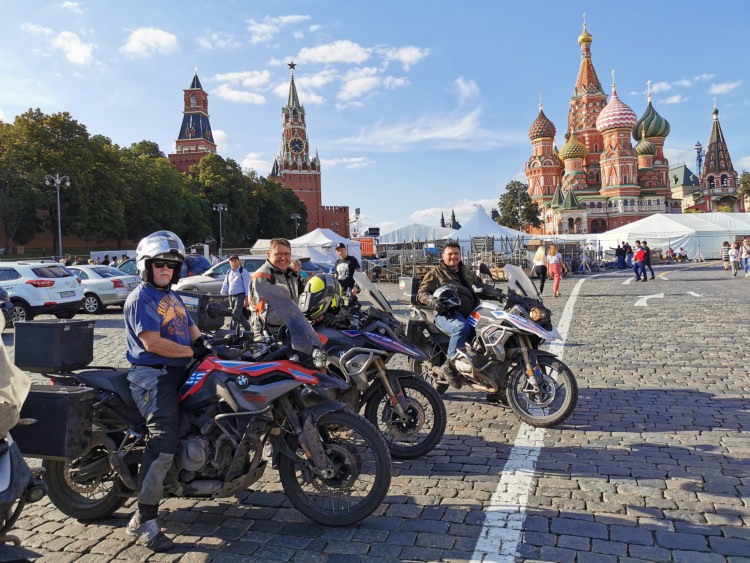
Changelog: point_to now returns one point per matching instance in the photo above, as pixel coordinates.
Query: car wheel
(66, 314)
(21, 312)
(92, 304)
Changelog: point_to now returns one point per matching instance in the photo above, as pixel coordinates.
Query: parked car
(212, 280)
(6, 306)
(194, 265)
(39, 287)
(103, 286)
(324, 266)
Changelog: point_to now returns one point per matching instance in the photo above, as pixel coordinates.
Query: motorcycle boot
(450, 375)
(148, 533)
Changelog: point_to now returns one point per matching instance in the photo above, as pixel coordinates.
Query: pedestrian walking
(725, 254)
(236, 285)
(734, 258)
(647, 259)
(638, 262)
(620, 256)
(539, 266)
(628, 253)
(746, 257)
(555, 267)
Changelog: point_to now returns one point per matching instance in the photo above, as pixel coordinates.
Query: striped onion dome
(655, 124)
(615, 115)
(645, 147)
(542, 127)
(573, 149)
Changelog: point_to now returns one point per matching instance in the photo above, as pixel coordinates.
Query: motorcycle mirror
(484, 269)
(216, 310)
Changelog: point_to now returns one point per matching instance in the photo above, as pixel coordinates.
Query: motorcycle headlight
(319, 358)
(539, 314)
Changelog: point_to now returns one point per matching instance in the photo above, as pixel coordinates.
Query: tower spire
(293, 100)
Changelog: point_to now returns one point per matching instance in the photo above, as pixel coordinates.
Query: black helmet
(447, 297)
(322, 295)
(161, 245)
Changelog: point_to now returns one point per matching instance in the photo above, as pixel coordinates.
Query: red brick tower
(195, 139)
(719, 180)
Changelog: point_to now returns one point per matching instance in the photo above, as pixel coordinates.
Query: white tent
(481, 225)
(415, 233)
(697, 233)
(320, 246)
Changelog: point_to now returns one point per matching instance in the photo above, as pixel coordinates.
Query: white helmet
(161, 245)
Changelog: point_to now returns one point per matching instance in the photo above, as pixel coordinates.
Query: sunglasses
(168, 264)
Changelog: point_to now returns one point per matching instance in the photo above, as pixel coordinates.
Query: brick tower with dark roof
(195, 139)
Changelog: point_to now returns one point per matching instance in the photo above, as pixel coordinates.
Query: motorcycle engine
(463, 365)
(192, 453)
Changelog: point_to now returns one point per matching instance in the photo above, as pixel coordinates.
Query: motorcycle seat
(113, 380)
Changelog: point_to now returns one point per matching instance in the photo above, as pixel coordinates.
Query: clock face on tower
(296, 145)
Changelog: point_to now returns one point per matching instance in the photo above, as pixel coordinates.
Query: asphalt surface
(654, 464)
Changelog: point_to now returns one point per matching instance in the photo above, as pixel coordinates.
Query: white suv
(39, 287)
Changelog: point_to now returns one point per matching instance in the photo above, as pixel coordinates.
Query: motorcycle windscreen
(303, 337)
(372, 293)
(520, 282)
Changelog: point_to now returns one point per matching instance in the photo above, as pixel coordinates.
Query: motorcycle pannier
(408, 289)
(196, 304)
(63, 422)
(54, 346)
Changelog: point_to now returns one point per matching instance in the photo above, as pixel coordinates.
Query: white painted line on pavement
(643, 301)
(694, 294)
(628, 281)
(501, 533)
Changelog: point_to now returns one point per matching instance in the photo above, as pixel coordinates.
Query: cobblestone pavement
(654, 465)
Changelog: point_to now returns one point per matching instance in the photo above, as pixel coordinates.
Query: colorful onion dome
(585, 37)
(615, 115)
(542, 127)
(573, 149)
(645, 147)
(655, 124)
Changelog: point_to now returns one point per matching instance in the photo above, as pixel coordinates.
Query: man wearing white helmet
(160, 338)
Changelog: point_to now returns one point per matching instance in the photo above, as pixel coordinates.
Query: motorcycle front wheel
(422, 428)
(556, 399)
(83, 488)
(362, 472)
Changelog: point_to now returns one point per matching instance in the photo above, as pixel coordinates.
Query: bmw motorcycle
(236, 418)
(359, 341)
(506, 360)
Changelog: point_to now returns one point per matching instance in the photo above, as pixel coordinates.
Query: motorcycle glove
(199, 348)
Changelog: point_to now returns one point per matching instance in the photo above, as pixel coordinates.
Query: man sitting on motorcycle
(451, 315)
(160, 338)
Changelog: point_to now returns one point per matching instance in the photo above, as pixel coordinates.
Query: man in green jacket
(451, 318)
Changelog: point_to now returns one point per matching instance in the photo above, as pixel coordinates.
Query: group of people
(736, 256)
(68, 260)
(549, 263)
(162, 338)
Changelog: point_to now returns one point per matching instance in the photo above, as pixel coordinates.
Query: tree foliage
(516, 198)
(744, 191)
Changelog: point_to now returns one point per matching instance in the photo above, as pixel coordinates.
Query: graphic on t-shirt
(342, 270)
(174, 317)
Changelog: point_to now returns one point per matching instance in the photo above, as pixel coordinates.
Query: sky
(415, 108)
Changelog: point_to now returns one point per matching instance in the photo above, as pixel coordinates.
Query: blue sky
(414, 107)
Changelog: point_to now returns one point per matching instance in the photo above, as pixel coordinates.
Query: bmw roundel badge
(242, 381)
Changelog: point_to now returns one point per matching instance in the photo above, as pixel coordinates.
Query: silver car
(212, 280)
(103, 286)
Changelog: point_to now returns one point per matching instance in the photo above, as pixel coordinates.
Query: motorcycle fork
(392, 388)
(309, 440)
(533, 371)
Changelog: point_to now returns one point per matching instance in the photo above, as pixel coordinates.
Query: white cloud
(744, 162)
(360, 81)
(351, 163)
(407, 56)
(34, 28)
(342, 51)
(684, 82)
(703, 77)
(724, 87)
(247, 78)
(72, 6)
(264, 31)
(217, 40)
(463, 208)
(660, 87)
(254, 161)
(467, 89)
(676, 99)
(305, 87)
(226, 92)
(147, 41)
(221, 138)
(76, 51)
(681, 156)
(315, 27)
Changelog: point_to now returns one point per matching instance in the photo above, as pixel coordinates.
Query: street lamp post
(57, 180)
(220, 207)
(296, 217)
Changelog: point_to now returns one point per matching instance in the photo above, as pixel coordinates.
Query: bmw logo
(242, 381)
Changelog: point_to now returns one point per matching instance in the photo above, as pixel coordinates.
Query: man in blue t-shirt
(160, 335)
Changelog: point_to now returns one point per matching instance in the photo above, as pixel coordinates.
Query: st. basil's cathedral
(598, 181)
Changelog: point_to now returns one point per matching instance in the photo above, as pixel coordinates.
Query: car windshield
(52, 272)
(107, 272)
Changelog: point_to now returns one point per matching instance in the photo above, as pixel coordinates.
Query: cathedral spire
(587, 81)
(293, 100)
(717, 154)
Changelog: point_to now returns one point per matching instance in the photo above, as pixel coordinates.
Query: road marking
(628, 281)
(501, 532)
(643, 301)
(694, 294)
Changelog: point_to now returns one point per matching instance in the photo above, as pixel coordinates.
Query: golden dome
(573, 149)
(585, 37)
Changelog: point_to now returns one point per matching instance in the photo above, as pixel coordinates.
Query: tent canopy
(415, 233)
(481, 225)
(320, 246)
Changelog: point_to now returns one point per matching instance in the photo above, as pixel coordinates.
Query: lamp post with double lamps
(220, 207)
(57, 180)
(296, 217)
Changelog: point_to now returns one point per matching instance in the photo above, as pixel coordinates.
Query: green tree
(277, 206)
(516, 198)
(744, 191)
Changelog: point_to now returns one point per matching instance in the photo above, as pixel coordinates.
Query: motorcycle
(236, 417)
(359, 342)
(19, 484)
(507, 362)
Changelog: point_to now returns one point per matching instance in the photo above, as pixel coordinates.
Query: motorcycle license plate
(67, 293)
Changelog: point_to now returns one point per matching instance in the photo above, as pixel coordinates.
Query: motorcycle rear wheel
(553, 404)
(423, 371)
(425, 424)
(90, 499)
(363, 472)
